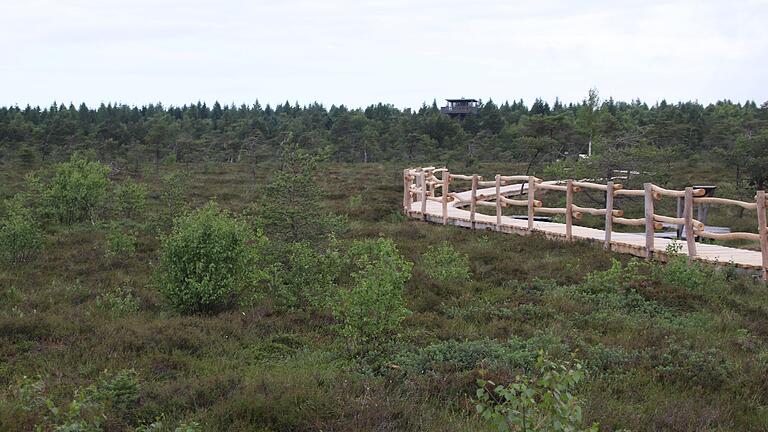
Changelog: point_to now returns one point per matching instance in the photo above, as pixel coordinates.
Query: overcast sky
(403, 52)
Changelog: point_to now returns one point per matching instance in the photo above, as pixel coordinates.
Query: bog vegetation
(190, 269)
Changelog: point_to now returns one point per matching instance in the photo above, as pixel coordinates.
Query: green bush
(301, 276)
(544, 401)
(290, 209)
(172, 196)
(20, 235)
(374, 305)
(119, 243)
(77, 190)
(678, 361)
(118, 302)
(112, 399)
(444, 263)
(130, 199)
(355, 201)
(453, 356)
(207, 260)
(481, 310)
(679, 272)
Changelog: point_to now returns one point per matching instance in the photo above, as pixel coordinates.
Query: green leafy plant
(679, 272)
(355, 201)
(374, 305)
(130, 199)
(301, 276)
(77, 190)
(290, 209)
(451, 356)
(544, 401)
(119, 243)
(444, 263)
(172, 196)
(118, 301)
(113, 397)
(207, 260)
(20, 235)
(679, 361)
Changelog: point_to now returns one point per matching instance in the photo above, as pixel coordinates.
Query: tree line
(512, 131)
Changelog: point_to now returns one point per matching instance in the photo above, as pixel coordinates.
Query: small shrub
(601, 358)
(480, 310)
(290, 208)
(607, 281)
(679, 362)
(374, 305)
(162, 425)
(20, 235)
(395, 217)
(444, 263)
(130, 199)
(119, 243)
(172, 196)
(679, 272)
(355, 201)
(301, 276)
(77, 190)
(27, 155)
(169, 159)
(114, 398)
(541, 402)
(453, 356)
(618, 278)
(207, 260)
(118, 302)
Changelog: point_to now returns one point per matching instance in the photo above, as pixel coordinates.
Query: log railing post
(531, 192)
(498, 202)
(569, 210)
(690, 236)
(679, 215)
(473, 203)
(423, 195)
(763, 231)
(406, 192)
(417, 184)
(446, 183)
(649, 223)
(608, 215)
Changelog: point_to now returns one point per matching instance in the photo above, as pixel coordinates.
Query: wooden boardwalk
(631, 243)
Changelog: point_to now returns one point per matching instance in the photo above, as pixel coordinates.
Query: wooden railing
(423, 184)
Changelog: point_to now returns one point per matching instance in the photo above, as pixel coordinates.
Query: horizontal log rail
(462, 177)
(697, 226)
(713, 200)
(588, 185)
(422, 185)
(598, 212)
(523, 178)
(636, 192)
(513, 202)
(728, 236)
(554, 211)
(635, 222)
(556, 187)
(677, 194)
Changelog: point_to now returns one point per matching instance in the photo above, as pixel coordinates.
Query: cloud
(361, 52)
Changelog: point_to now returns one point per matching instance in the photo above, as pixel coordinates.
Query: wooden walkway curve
(423, 199)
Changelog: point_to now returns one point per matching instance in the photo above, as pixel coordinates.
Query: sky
(402, 52)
